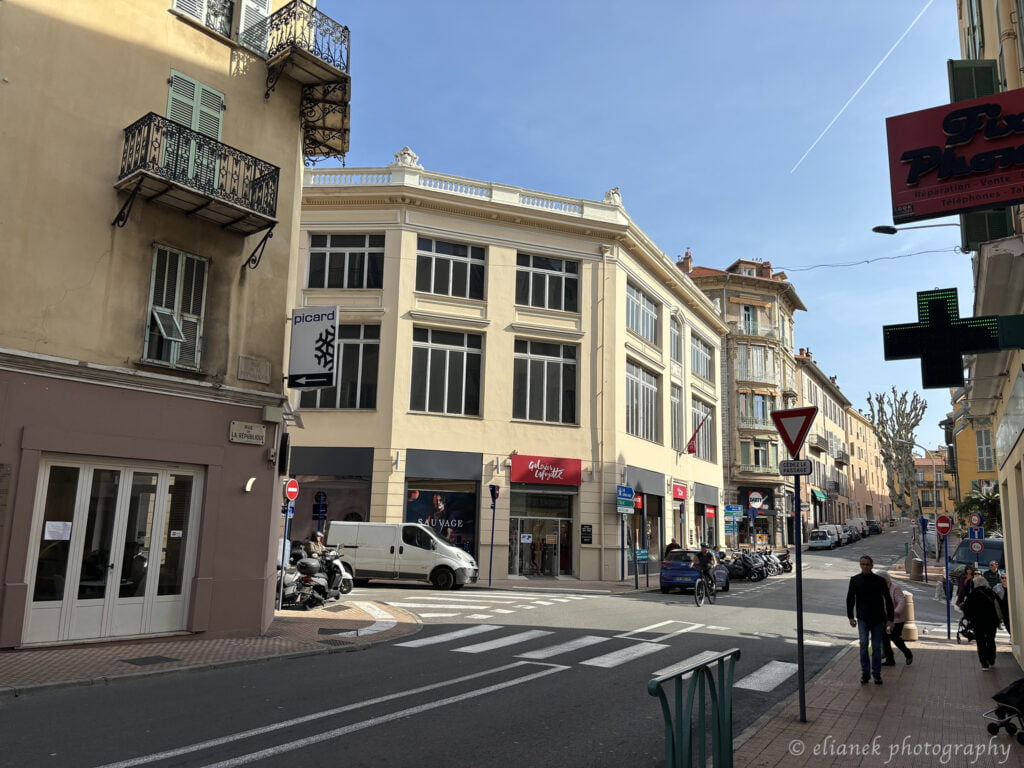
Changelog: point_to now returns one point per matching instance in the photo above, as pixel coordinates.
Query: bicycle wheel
(712, 591)
(699, 592)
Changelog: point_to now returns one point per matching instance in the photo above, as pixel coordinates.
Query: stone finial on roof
(613, 196)
(406, 158)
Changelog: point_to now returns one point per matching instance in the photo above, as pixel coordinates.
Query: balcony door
(199, 108)
(114, 550)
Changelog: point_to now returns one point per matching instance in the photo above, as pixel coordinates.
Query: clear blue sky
(702, 112)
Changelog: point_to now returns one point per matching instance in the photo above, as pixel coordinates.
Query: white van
(821, 539)
(401, 551)
(840, 536)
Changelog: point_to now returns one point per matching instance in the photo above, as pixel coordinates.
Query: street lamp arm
(885, 229)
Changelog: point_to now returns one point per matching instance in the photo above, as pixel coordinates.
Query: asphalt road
(493, 678)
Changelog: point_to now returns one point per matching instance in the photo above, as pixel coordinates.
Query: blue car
(679, 570)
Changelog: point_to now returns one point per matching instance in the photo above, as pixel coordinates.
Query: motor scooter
(339, 580)
(304, 586)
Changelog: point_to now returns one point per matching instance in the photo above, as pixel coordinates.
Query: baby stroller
(964, 630)
(1011, 707)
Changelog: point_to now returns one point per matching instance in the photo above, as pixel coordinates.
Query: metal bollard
(909, 628)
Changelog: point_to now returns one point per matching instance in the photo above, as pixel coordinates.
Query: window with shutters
(986, 459)
(240, 20)
(198, 108)
(174, 326)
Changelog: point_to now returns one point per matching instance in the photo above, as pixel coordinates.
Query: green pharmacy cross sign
(941, 338)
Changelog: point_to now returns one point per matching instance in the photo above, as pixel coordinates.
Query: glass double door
(113, 550)
(539, 546)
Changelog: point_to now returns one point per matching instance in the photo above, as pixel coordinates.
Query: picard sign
(958, 157)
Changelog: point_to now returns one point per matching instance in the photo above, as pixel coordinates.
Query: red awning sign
(545, 470)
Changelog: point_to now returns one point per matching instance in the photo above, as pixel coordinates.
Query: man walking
(869, 596)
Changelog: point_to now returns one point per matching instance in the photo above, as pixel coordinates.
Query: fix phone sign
(312, 359)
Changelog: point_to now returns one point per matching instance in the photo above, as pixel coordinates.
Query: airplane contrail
(861, 86)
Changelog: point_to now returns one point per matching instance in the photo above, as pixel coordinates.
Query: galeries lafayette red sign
(543, 469)
(959, 157)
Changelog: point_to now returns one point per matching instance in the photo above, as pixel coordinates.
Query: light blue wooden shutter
(252, 29)
(199, 108)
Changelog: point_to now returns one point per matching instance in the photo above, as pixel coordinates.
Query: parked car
(837, 532)
(992, 550)
(874, 527)
(821, 539)
(679, 570)
(852, 533)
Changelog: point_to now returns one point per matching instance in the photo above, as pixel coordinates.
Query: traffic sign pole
(797, 540)
(945, 547)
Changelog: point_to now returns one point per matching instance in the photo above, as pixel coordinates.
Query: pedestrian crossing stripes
(484, 605)
(619, 649)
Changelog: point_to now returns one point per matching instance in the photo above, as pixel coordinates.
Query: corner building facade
(142, 321)
(492, 336)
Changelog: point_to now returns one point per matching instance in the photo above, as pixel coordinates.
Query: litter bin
(917, 569)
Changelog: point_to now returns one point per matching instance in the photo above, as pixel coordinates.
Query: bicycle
(705, 590)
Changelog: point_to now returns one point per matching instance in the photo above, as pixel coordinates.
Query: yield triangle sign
(793, 426)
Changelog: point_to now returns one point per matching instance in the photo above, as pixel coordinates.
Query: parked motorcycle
(304, 586)
(787, 562)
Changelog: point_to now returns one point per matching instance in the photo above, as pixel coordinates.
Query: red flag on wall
(691, 446)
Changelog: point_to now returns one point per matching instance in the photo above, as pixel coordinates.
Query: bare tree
(895, 418)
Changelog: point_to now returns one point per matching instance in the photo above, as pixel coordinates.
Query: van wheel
(442, 578)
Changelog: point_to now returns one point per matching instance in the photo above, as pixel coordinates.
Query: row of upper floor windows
(356, 261)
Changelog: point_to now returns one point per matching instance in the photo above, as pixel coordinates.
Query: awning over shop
(819, 495)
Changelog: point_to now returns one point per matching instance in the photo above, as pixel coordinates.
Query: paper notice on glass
(57, 530)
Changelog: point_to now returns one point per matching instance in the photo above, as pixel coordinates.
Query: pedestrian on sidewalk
(965, 586)
(899, 615)
(869, 596)
(982, 609)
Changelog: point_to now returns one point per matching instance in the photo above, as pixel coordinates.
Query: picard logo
(314, 317)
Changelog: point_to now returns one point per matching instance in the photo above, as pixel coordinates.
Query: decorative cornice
(140, 381)
(435, 318)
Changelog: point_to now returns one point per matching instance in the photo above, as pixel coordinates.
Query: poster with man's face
(452, 515)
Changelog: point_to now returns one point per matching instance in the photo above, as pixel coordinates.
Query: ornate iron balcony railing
(171, 151)
(300, 25)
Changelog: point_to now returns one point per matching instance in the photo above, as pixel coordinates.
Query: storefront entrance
(539, 546)
(113, 550)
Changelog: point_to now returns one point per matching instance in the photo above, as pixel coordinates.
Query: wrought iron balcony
(817, 442)
(313, 49)
(751, 422)
(166, 162)
(760, 469)
(842, 457)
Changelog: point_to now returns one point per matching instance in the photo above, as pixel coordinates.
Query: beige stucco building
(150, 148)
(869, 491)
(827, 489)
(759, 374)
(497, 336)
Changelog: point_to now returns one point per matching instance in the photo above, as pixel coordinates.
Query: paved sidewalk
(925, 715)
(350, 625)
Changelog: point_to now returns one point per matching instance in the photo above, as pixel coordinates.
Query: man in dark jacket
(869, 596)
(982, 608)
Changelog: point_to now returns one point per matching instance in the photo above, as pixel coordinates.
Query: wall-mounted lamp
(249, 484)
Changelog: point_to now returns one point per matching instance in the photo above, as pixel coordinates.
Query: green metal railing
(708, 695)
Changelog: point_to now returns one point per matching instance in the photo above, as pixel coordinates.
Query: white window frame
(244, 15)
(642, 399)
(330, 397)
(641, 314)
(476, 256)
(676, 405)
(563, 367)
(441, 353)
(703, 413)
(702, 358)
(163, 344)
(675, 339)
(334, 255)
(533, 271)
